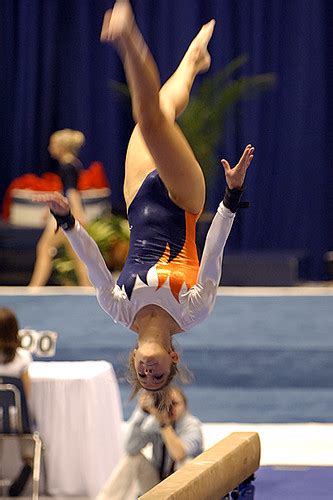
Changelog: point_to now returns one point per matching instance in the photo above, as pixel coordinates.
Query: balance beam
(214, 473)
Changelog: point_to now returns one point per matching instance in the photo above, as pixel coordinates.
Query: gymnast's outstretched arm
(84, 246)
(212, 256)
(211, 263)
(201, 297)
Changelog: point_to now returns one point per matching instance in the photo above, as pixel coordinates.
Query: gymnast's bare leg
(157, 141)
(45, 251)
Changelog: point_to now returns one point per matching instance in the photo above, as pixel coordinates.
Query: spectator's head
(172, 400)
(65, 142)
(178, 403)
(9, 337)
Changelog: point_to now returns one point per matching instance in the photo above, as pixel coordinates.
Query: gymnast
(64, 146)
(161, 290)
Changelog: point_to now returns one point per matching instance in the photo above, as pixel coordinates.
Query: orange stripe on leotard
(183, 268)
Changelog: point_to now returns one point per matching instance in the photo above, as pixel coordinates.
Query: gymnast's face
(152, 365)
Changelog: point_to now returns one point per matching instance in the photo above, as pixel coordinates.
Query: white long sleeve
(211, 263)
(111, 298)
(200, 299)
(88, 251)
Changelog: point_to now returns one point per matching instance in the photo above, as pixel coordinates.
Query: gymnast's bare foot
(118, 22)
(197, 51)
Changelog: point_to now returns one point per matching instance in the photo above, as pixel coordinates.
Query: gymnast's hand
(235, 176)
(55, 201)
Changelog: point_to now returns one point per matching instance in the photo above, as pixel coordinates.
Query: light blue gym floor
(263, 360)
(257, 358)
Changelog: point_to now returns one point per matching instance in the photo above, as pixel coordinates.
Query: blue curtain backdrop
(54, 73)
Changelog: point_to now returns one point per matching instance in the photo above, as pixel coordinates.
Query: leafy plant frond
(204, 120)
(212, 83)
(119, 87)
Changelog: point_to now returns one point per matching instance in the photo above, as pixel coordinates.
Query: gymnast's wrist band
(232, 199)
(66, 222)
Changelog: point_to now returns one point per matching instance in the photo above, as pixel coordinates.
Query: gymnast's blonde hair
(71, 140)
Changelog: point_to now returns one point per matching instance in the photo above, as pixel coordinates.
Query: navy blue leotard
(158, 225)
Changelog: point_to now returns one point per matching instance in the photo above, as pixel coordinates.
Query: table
(78, 411)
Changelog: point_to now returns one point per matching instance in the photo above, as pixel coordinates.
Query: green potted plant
(111, 233)
(204, 119)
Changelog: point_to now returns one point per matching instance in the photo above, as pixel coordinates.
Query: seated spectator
(64, 147)
(14, 362)
(175, 435)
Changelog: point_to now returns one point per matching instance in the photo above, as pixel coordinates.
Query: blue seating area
(17, 253)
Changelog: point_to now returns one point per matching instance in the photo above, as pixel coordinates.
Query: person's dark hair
(162, 400)
(176, 388)
(9, 338)
(162, 395)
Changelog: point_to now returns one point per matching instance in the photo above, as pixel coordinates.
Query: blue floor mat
(294, 483)
(255, 359)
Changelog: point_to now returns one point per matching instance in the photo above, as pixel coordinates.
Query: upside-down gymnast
(161, 290)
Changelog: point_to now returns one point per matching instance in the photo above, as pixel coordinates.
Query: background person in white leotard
(162, 290)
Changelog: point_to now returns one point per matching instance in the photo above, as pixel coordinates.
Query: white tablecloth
(77, 407)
